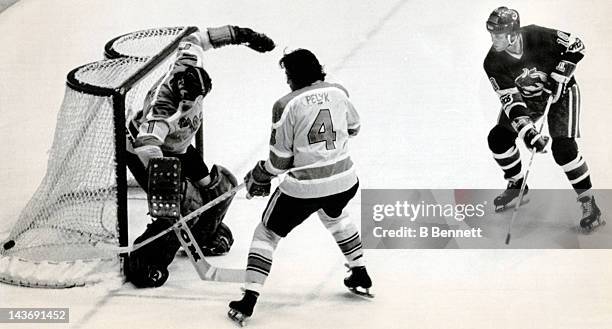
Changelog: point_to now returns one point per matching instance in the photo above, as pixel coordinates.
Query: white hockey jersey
(309, 141)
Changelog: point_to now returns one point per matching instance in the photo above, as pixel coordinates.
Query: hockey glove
(258, 181)
(192, 82)
(235, 35)
(528, 133)
(560, 77)
(254, 40)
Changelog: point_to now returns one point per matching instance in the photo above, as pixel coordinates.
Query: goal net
(69, 232)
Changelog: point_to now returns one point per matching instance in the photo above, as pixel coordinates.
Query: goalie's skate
(241, 310)
(359, 282)
(508, 198)
(591, 214)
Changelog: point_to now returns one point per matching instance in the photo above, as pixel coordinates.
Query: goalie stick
(183, 220)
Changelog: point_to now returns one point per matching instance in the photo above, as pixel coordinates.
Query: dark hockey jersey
(520, 82)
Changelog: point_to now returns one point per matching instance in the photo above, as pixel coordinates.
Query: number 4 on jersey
(322, 130)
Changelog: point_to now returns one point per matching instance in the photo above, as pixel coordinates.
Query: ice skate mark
(370, 34)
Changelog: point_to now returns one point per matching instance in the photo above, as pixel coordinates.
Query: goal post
(62, 237)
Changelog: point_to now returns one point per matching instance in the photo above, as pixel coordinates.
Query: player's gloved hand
(559, 79)
(258, 181)
(192, 82)
(254, 40)
(528, 133)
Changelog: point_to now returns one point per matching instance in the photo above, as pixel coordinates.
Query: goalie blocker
(170, 196)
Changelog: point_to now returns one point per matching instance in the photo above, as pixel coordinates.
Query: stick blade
(508, 239)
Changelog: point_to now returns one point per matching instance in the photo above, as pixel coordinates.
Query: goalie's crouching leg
(213, 236)
(148, 266)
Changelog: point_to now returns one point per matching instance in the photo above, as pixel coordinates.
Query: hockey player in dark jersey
(165, 127)
(526, 65)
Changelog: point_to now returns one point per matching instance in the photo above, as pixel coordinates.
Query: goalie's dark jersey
(520, 82)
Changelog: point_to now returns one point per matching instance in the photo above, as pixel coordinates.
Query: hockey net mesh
(68, 232)
(142, 43)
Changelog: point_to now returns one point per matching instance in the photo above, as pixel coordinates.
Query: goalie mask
(191, 83)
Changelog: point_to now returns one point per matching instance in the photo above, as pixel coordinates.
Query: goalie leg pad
(148, 265)
(203, 228)
(164, 187)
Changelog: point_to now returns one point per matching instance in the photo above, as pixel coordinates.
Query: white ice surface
(414, 70)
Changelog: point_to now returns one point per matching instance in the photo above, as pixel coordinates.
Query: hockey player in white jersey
(311, 127)
(165, 127)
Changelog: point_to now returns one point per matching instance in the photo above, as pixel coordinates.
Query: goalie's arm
(150, 137)
(235, 35)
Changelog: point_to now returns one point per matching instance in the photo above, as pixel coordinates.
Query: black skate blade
(237, 317)
(512, 204)
(363, 292)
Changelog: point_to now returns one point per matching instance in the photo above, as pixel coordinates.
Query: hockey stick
(533, 152)
(182, 221)
(205, 270)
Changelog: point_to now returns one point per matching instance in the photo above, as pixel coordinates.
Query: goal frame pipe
(121, 172)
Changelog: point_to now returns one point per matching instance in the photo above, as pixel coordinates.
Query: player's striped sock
(578, 174)
(260, 257)
(510, 162)
(346, 235)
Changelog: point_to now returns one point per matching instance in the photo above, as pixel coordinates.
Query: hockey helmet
(503, 20)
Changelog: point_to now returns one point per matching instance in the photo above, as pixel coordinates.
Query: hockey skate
(591, 214)
(508, 197)
(241, 310)
(359, 281)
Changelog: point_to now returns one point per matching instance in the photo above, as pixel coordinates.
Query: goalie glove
(235, 35)
(254, 40)
(560, 77)
(528, 133)
(258, 181)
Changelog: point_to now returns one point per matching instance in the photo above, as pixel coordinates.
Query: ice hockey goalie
(159, 143)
